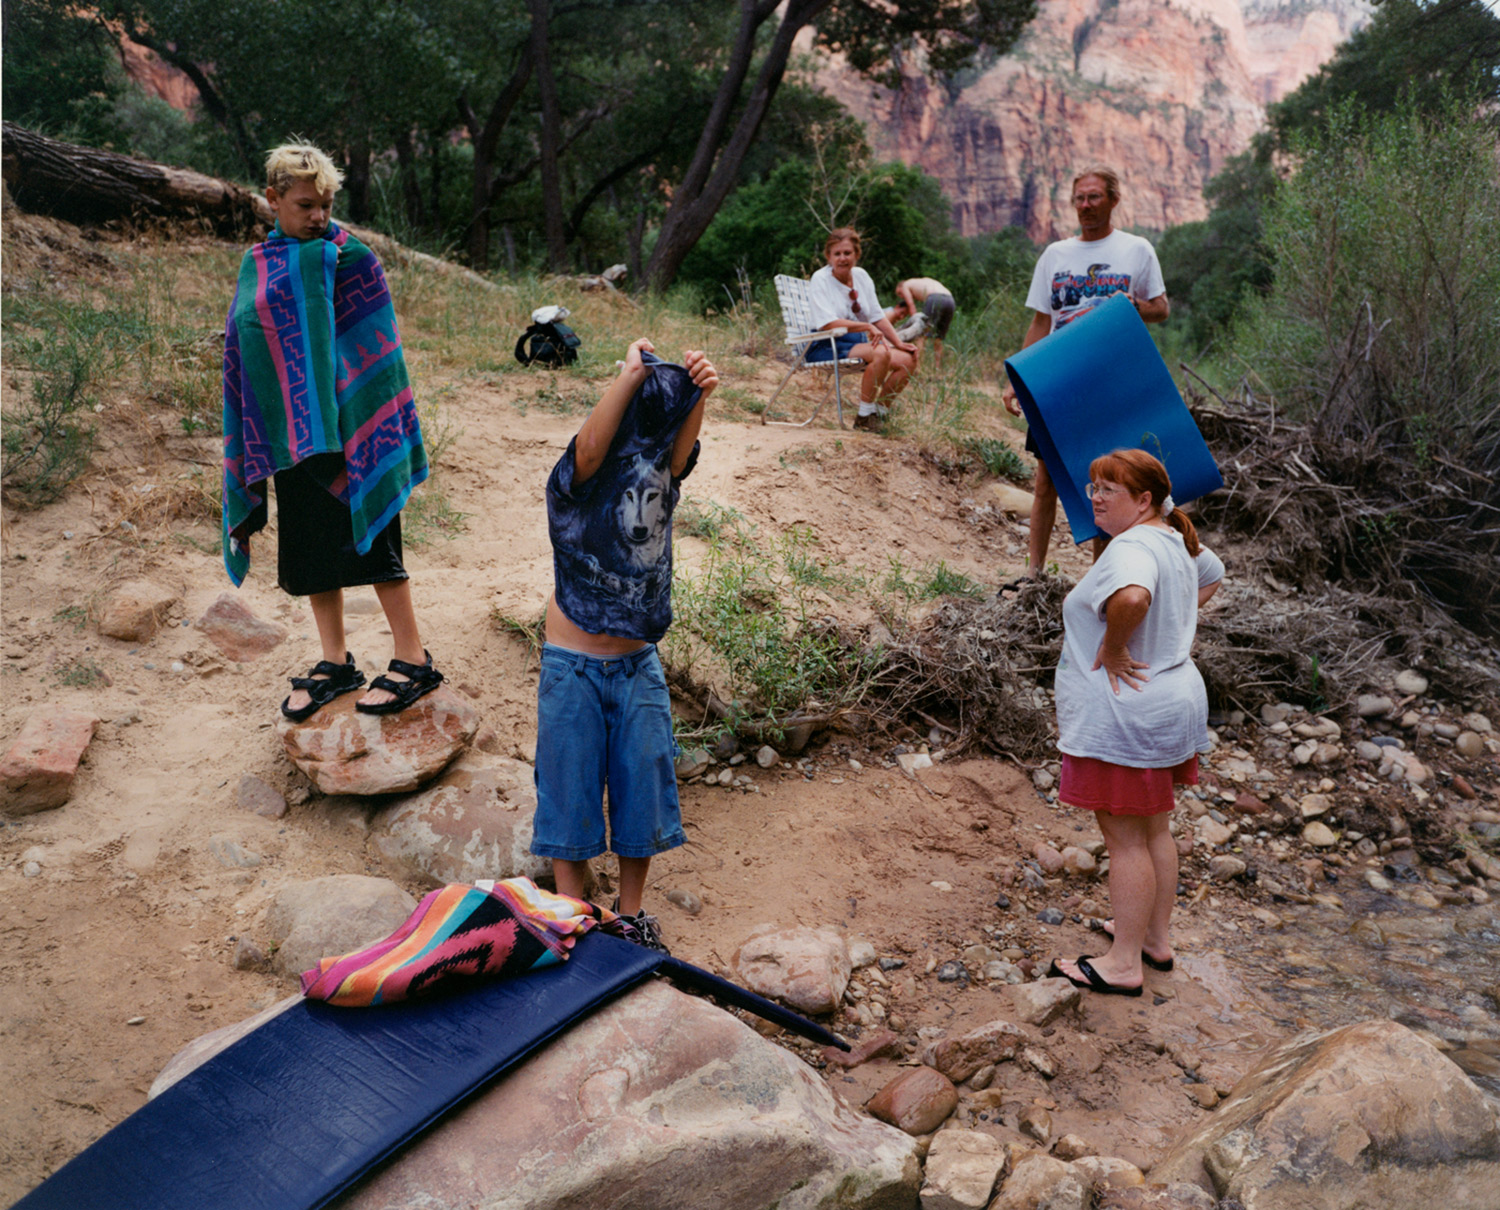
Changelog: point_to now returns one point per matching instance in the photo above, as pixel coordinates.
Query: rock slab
(959, 1058)
(474, 822)
(345, 752)
(336, 914)
(135, 611)
(1367, 1115)
(661, 1100)
(236, 631)
(38, 769)
(807, 969)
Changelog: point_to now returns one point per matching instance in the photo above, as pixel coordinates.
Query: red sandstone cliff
(1164, 91)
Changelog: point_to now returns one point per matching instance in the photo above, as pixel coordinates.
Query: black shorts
(315, 536)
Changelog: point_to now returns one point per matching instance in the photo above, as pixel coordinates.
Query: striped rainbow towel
(458, 934)
(313, 365)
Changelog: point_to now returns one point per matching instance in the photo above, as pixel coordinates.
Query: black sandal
(421, 678)
(325, 682)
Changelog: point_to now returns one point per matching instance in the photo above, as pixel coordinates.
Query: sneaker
(642, 929)
(868, 424)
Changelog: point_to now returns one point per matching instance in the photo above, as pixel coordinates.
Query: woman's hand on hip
(1119, 665)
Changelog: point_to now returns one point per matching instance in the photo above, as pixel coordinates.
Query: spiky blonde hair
(293, 162)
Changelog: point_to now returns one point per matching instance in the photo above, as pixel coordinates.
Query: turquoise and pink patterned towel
(458, 934)
(313, 365)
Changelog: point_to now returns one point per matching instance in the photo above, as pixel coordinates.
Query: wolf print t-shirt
(612, 536)
(1074, 276)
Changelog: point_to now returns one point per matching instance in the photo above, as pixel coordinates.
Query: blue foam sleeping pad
(1099, 385)
(298, 1110)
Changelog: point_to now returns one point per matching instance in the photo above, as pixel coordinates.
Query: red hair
(1137, 472)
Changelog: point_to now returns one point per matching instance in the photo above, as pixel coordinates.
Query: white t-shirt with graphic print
(1074, 276)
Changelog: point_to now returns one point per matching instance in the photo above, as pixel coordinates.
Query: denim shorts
(604, 723)
(821, 352)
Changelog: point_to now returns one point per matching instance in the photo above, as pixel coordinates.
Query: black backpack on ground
(553, 345)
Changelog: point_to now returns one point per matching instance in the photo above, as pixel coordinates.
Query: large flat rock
(1367, 1115)
(345, 752)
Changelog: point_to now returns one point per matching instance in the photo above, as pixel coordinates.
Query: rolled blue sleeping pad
(1099, 385)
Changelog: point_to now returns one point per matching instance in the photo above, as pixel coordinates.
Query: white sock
(867, 409)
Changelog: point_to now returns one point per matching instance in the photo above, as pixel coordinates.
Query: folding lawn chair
(796, 314)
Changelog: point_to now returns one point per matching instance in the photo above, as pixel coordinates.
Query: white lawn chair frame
(796, 314)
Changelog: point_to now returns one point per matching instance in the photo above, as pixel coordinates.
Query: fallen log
(88, 185)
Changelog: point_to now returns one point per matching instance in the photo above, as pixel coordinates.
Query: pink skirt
(1098, 785)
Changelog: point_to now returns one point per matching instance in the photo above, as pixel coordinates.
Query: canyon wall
(1163, 91)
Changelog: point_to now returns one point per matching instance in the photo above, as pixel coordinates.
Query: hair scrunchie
(1168, 505)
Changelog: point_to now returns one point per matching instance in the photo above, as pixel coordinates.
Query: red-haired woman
(1132, 712)
(843, 296)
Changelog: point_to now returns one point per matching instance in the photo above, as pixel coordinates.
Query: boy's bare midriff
(562, 632)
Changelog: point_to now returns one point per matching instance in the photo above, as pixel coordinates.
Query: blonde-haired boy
(318, 401)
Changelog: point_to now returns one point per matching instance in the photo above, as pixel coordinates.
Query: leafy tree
(1428, 52)
(57, 71)
(951, 32)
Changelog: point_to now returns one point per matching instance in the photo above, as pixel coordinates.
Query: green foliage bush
(1381, 322)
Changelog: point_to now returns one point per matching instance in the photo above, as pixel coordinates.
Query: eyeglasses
(854, 300)
(1096, 490)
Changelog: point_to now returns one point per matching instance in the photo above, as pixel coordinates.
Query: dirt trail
(133, 919)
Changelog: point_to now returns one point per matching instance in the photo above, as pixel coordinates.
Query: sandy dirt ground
(118, 952)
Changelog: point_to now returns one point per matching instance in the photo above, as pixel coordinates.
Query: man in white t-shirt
(1072, 277)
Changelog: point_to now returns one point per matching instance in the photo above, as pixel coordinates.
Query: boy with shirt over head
(604, 715)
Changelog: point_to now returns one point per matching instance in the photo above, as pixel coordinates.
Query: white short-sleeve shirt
(1166, 721)
(1074, 276)
(830, 300)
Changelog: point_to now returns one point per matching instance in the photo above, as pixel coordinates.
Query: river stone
(1469, 744)
(1040, 1182)
(1048, 858)
(651, 1101)
(962, 1168)
(1313, 805)
(959, 1058)
(39, 767)
(1319, 835)
(807, 969)
(236, 631)
(346, 752)
(1079, 861)
(135, 611)
(1211, 832)
(1367, 1115)
(333, 915)
(917, 1101)
(1042, 1002)
(474, 822)
(1225, 868)
(1108, 1172)
(1011, 499)
(1372, 705)
(1477, 722)
(1410, 682)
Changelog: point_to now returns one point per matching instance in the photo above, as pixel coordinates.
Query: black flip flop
(1092, 980)
(1156, 964)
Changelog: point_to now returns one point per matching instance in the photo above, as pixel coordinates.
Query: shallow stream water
(1435, 971)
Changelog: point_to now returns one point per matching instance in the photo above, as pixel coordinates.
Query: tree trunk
(485, 139)
(86, 185)
(546, 86)
(411, 187)
(716, 162)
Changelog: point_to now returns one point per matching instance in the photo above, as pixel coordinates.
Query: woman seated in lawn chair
(842, 295)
